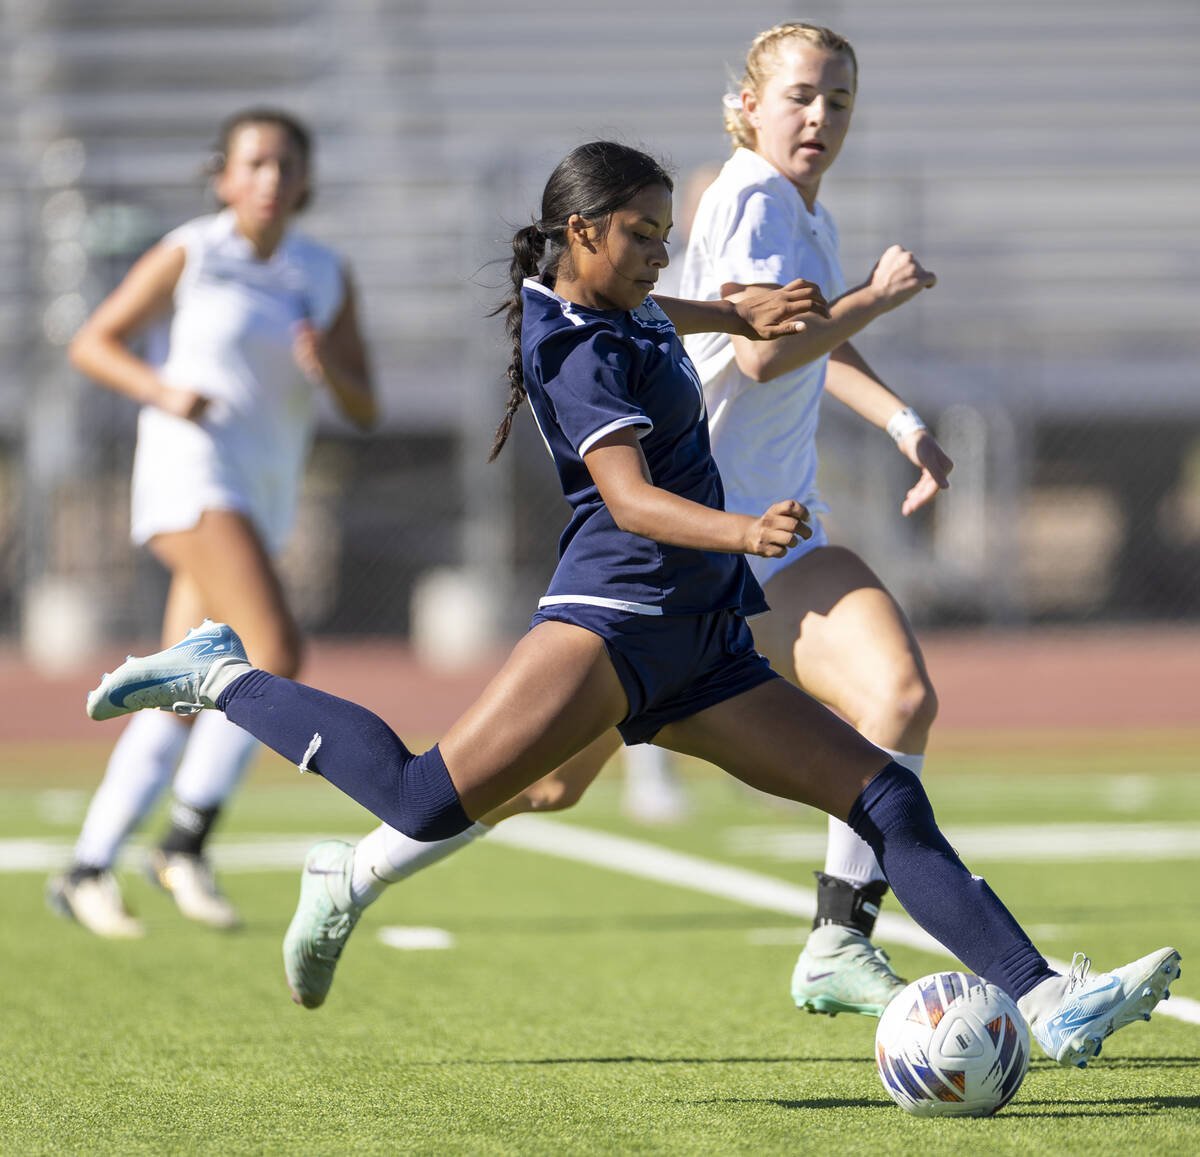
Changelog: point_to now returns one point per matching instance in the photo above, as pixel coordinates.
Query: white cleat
(95, 902)
(184, 678)
(1094, 1007)
(189, 880)
(324, 919)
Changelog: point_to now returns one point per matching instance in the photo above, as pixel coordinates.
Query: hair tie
(733, 101)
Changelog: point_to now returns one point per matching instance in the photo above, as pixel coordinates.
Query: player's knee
(914, 701)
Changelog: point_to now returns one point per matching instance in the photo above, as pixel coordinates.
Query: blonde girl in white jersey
(832, 622)
(245, 322)
(833, 626)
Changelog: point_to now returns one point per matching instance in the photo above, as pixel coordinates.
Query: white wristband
(904, 422)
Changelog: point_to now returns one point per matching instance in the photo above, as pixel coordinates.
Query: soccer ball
(951, 1045)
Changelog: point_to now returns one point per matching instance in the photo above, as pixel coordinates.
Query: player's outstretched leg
(174, 679)
(324, 919)
(1089, 1009)
(840, 970)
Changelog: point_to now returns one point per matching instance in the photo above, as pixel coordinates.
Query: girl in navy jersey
(246, 321)
(834, 627)
(643, 626)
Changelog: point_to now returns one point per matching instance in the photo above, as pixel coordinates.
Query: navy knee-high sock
(958, 909)
(352, 748)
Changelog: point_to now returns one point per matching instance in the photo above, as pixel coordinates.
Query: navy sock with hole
(958, 909)
(352, 748)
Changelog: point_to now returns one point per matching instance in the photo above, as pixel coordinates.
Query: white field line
(1028, 843)
(651, 862)
(583, 845)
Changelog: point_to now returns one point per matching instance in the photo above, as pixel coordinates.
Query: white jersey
(230, 338)
(753, 226)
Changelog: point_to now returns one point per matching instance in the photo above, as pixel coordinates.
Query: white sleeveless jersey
(230, 338)
(752, 226)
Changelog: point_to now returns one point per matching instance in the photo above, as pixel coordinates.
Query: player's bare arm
(100, 350)
(896, 278)
(337, 359)
(753, 312)
(622, 476)
(851, 380)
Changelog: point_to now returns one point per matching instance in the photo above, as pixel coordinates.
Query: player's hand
(921, 448)
(773, 311)
(310, 351)
(898, 276)
(777, 531)
(187, 404)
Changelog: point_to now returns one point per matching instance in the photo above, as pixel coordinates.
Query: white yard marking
(415, 939)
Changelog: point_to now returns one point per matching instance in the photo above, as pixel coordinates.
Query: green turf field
(581, 1009)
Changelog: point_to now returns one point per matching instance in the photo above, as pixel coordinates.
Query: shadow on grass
(636, 1060)
(811, 1103)
(1101, 1107)
(1044, 1064)
(1030, 1110)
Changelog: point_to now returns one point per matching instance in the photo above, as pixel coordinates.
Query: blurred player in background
(642, 629)
(246, 320)
(833, 626)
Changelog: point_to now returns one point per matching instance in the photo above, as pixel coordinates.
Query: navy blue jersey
(589, 372)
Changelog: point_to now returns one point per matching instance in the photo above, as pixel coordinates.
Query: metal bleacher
(1041, 157)
(1036, 153)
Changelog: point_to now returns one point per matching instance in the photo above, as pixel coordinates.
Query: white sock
(385, 856)
(847, 855)
(138, 769)
(646, 763)
(1043, 999)
(214, 761)
(652, 793)
(221, 674)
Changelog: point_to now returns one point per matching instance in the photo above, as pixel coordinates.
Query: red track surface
(1111, 680)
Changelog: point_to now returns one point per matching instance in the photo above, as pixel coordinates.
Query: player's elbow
(79, 350)
(757, 362)
(632, 518)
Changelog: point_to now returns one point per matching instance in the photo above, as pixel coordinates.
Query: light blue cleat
(840, 970)
(184, 678)
(1094, 1007)
(324, 919)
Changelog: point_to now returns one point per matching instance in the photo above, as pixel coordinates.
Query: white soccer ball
(951, 1045)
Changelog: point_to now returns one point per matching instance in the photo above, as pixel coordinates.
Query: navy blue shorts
(671, 666)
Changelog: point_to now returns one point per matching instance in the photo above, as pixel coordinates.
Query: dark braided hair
(592, 180)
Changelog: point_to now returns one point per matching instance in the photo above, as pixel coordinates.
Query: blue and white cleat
(184, 678)
(1094, 1007)
(324, 919)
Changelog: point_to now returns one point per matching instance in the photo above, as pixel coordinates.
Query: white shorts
(181, 470)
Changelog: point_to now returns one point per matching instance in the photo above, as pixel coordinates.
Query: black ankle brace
(189, 828)
(80, 872)
(854, 906)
